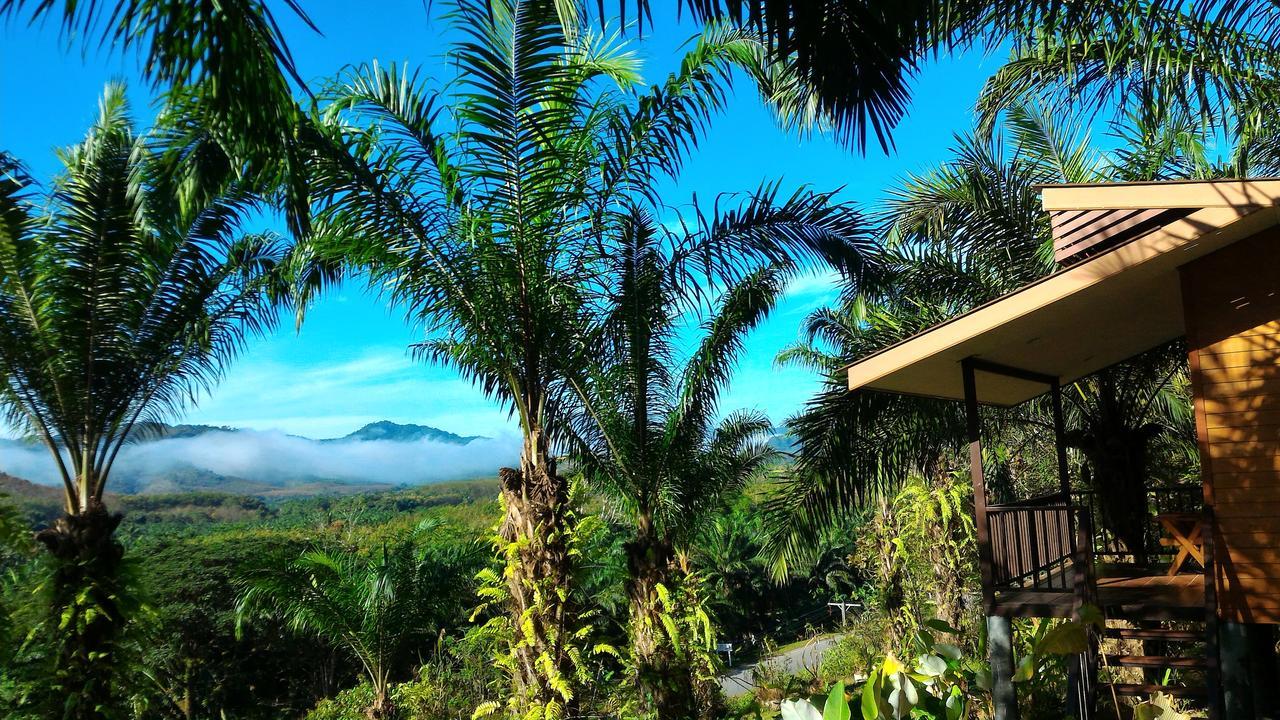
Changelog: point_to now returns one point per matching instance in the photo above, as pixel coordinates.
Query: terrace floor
(1123, 593)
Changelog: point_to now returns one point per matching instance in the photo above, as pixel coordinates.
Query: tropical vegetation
(520, 214)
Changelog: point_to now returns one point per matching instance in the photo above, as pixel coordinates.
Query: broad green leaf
(931, 665)
(1026, 669)
(948, 651)
(955, 704)
(1147, 711)
(871, 696)
(904, 697)
(836, 707)
(982, 679)
(1092, 615)
(1069, 638)
(941, 626)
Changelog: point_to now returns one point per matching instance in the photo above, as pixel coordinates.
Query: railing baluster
(1032, 546)
(1033, 522)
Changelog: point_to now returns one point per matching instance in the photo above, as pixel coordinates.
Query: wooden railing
(1162, 499)
(1033, 545)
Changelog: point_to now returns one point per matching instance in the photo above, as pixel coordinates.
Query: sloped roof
(1106, 307)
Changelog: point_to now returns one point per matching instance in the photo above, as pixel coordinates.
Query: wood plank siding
(1079, 234)
(1232, 302)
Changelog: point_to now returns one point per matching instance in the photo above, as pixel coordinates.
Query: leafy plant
(651, 443)
(380, 607)
(942, 683)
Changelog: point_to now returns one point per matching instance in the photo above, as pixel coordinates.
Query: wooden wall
(1232, 304)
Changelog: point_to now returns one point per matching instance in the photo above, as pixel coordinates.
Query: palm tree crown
(118, 302)
(381, 607)
(650, 442)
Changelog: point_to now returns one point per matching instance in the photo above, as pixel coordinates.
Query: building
(1140, 265)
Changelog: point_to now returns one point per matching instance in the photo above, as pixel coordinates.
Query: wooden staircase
(1177, 659)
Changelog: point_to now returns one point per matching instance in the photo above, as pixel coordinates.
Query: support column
(1059, 444)
(1233, 651)
(1000, 650)
(981, 530)
(1080, 683)
(999, 629)
(1263, 675)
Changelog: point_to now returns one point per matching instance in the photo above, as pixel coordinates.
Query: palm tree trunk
(664, 682)
(382, 707)
(538, 524)
(1117, 456)
(86, 608)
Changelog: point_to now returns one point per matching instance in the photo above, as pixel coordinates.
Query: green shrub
(743, 707)
(347, 705)
(858, 650)
(437, 694)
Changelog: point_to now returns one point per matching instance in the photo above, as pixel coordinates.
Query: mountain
(206, 458)
(166, 432)
(394, 432)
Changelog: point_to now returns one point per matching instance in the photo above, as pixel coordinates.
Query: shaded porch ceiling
(1107, 307)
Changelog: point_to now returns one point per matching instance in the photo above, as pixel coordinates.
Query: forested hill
(395, 432)
(186, 512)
(165, 459)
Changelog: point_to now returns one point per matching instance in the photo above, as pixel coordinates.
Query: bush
(439, 692)
(347, 705)
(850, 656)
(743, 707)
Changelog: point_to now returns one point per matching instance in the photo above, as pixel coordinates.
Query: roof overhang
(1088, 316)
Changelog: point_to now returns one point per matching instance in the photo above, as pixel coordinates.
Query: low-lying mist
(278, 459)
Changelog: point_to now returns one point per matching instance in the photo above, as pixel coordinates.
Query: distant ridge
(206, 458)
(395, 432)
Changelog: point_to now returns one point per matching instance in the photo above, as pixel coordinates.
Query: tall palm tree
(117, 304)
(651, 444)
(954, 238)
(382, 606)
(496, 232)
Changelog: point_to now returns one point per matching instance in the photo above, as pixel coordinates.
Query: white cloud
(820, 282)
(275, 457)
(331, 396)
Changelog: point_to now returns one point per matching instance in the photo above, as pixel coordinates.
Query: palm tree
(955, 237)
(496, 233)
(382, 607)
(651, 444)
(117, 304)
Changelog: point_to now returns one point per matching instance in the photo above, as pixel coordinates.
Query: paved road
(740, 680)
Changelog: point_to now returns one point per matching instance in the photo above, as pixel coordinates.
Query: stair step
(1156, 661)
(1155, 634)
(1145, 689)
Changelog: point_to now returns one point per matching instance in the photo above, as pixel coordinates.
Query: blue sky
(349, 364)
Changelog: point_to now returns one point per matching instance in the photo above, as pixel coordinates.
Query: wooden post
(1000, 649)
(981, 527)
(1233, 648)
(1083, 670)
(999, 630)
(1059, 445)
(1263, 670)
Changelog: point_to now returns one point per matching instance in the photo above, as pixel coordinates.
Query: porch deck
(1122, 593)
